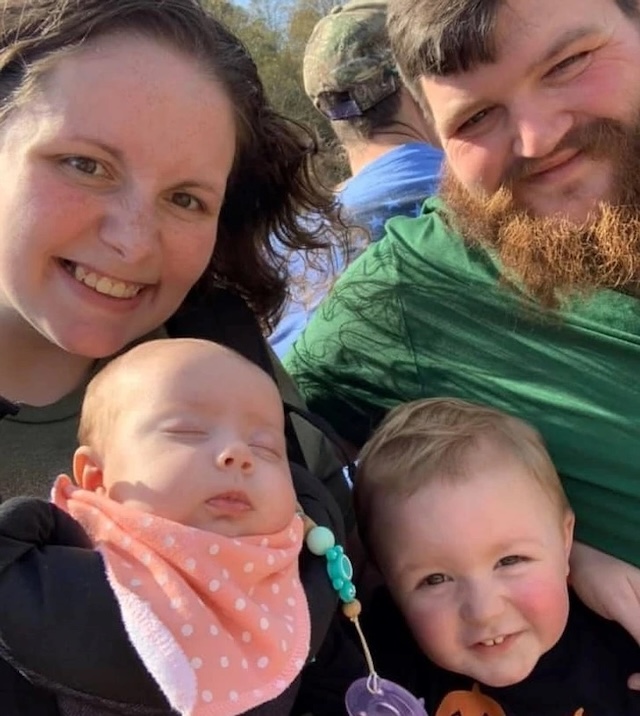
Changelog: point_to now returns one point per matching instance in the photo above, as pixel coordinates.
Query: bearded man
(520, 286)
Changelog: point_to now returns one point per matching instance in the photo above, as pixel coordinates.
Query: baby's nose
(236, 455)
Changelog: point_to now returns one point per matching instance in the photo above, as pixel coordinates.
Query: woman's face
(113, 176)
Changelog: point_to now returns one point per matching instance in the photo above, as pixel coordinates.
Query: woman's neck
(33, 370)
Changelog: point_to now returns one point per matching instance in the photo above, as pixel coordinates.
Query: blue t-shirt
(397, 183)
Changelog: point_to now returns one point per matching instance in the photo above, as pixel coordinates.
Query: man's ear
(87, 469)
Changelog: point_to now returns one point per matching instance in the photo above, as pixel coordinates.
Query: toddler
(461, 509)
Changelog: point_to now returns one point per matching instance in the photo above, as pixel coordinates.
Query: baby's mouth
(105, 285)
(233, 502)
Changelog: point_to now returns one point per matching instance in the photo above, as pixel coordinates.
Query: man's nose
(538, 129)
(235, 456)
(130, 229)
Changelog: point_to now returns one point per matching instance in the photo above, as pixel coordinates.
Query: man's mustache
(599, 139)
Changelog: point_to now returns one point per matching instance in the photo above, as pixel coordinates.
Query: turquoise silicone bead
(348, 592)
(320, 540)
(339, 565)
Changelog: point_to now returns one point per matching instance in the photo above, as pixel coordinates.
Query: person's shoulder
(431, 226)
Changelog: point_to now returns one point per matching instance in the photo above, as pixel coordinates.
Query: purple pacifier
(374, 696)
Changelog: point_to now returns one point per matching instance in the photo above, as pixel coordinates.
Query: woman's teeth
(104, 285)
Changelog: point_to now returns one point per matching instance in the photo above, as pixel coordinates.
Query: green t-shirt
(38, 443)
(423, 314)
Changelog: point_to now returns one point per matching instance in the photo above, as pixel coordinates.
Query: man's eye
(187, 201)
(569, 62)
(86, 165)
(474, 120)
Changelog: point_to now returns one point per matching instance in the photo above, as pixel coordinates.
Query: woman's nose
(130, 229)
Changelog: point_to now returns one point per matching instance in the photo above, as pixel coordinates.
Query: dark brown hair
(272, 181)
(443, 37)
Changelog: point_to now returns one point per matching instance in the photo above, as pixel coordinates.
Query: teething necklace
(371, 695)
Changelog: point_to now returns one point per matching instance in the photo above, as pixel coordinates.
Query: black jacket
(63, 629)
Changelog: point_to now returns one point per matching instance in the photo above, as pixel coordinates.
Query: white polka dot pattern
(230, 605)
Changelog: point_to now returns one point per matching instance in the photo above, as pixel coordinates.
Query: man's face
(530, 120)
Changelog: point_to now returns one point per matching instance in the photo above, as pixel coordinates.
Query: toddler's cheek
(545, 605)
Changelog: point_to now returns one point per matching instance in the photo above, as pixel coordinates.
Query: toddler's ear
(87, 469)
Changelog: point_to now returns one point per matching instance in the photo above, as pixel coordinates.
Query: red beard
(553, 257)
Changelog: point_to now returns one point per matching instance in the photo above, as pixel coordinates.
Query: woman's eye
(511, 560)
(86, 165)
(187, 201)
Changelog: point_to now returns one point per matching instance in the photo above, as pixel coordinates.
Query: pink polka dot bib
(221, 624)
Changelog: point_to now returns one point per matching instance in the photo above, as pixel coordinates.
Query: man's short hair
(348, 66)
(445, 37)
(432, 440)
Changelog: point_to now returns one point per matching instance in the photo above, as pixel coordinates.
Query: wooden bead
(351, 610)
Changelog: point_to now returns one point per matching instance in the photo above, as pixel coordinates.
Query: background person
(351, 78)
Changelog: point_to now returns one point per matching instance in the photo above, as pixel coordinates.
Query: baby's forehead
(173, 360)
(200, 380)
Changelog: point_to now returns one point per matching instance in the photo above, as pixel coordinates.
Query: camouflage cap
(348, 66)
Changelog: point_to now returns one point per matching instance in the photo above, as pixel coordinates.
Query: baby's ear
(87, 469)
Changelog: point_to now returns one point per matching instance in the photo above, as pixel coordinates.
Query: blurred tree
(276, 32)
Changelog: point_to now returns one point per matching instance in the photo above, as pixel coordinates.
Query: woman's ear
(87, 469)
